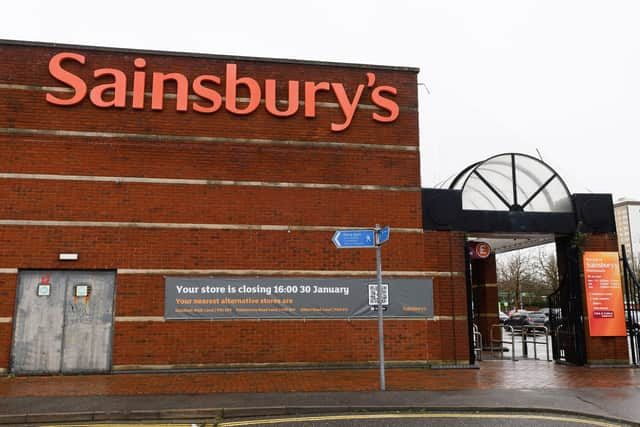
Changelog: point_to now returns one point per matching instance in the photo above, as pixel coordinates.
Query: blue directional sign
(346, 239)
(383, 235)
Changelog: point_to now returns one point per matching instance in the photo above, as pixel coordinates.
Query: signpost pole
(380, 309)
(368, 238)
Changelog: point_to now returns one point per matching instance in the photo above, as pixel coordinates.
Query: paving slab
(608, 393)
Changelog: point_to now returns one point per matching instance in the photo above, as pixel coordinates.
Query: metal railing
(500, 341)
(556, 337)
(477, 342)
(525, 332)
(532, 330)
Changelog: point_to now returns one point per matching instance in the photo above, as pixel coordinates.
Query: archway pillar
(485, 295)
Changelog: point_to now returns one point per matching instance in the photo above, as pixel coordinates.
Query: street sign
(347, 239)
(370, 238)
(383, 235)
(479, 250)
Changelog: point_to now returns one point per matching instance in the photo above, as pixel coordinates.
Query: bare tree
(516, 272)
(636, 268)
(547, 270)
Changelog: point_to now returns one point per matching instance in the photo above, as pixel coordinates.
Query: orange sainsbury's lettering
(207, 94)
(385, 103)
(232, 87)
(139, 79)
(68, 78)
(119, 88)
(157, 91)
(348, 107)
(310, 90)
(270, 99)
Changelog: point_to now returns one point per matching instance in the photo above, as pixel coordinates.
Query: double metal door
(63, 322)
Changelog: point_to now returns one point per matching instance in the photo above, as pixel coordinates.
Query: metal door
(37, 335)
(88, 320)
(63, 322)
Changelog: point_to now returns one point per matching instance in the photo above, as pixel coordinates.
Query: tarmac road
(452, 419)
(391, 419)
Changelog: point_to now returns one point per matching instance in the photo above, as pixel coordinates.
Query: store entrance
(516, 201)
(526, 298)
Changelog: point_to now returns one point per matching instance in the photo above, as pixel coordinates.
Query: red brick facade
(485, 297)
(143, 190)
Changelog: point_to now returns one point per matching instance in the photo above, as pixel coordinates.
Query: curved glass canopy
(512, 182)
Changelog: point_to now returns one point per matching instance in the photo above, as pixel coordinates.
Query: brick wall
(226, 342)
(64, 171)
(485, 294)
(7, 298)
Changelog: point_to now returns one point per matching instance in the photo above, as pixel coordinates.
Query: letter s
(385, 103)
(211, 95)
(70, 79)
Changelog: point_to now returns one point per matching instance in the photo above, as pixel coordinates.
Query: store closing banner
(219, 297)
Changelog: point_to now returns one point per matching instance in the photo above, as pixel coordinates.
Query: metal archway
(512, 182)
(513, 195)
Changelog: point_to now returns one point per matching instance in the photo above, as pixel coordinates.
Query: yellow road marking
(434, 415)
(131, 424)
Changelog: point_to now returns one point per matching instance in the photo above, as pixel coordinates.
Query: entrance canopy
(512, 182)
(514, 193)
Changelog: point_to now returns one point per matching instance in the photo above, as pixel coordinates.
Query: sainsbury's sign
(109, 90)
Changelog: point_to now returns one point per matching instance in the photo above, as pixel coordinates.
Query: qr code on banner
(373, 294)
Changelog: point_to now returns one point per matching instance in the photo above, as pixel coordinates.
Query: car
(517, 319)
(537, 318)
(525, 318)
(503, 317)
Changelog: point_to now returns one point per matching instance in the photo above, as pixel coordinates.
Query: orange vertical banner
(603, 289)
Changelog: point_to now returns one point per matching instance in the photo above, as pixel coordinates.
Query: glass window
(512, 182)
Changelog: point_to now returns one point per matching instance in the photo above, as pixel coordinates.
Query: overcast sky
(559, 76)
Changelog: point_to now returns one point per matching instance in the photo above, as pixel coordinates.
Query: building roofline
(205, 55)
(625, 201)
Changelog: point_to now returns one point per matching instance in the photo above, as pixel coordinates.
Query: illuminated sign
(603, 289)
(479, 250)
(204, 94)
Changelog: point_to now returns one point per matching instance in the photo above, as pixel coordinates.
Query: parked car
(503, 317)
(525, 318)
(537, 318)
(517, 319)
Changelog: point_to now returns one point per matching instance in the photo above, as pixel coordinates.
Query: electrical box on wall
(44, 290)
(81, 290)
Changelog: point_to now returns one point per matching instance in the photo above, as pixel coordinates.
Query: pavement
(608, 393)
